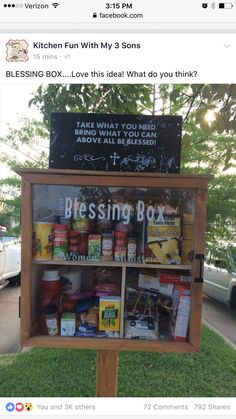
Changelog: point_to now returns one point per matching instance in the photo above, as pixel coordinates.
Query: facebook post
(117, 211)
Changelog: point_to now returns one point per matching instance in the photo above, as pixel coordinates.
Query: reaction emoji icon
(19, 407)
(10, 407)
(28, 406)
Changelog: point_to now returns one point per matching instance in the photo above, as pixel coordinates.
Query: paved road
(215, 313)
(9, 321)
(220, 317)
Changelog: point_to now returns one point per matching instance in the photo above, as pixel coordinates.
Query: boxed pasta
(163, 235)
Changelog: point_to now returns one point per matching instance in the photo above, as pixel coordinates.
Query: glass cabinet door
(115, 261)
(142, 225)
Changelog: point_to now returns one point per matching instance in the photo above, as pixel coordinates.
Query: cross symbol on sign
(114, 157)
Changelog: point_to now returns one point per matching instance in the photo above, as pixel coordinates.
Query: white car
(220, 280)
(10, 261)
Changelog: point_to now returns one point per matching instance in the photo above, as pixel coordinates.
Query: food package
(163, 238)
(68, 324)
(109, 314)
(94, 246)
(87, 323)
(141, 329)
(182, 320)
(176, 278)
(150, 281)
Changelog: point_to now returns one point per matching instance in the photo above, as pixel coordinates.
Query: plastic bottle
(50, 295)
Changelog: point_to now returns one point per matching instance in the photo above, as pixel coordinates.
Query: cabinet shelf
(43, 341)
(111, 264)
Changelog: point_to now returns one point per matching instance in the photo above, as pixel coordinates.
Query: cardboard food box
(109, 314)
(175, 278)
(182, 320)
(163, 240)
(68, 321)
(150, 281)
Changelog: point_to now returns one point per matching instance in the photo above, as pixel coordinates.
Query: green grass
(72, 373)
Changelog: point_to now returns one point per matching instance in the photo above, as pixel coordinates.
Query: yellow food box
(164, 231)
(109, 314)
(163, 241)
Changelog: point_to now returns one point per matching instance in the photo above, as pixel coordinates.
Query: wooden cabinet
(139, 205)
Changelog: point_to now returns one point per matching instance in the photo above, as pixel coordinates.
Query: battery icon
(226, 5)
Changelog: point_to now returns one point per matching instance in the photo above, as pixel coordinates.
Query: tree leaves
(207, 147)
(24, 147)
(102, 98)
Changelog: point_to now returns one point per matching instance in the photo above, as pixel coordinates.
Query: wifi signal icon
(55, 5)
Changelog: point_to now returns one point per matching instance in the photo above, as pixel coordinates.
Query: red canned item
(73, 252)
(73, 248)
(120, 246)
(61, 228)
(120, 242)
(73, 234)
(122, 235)
(120, 253)
(83, 244)
(60, 236)
(74, 241)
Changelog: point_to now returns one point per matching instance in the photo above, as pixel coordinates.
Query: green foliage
(221, 214)
(10, 205)
(28, 147)
(104, 98)
(207, 147)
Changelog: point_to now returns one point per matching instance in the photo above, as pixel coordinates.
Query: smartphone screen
(117, 209)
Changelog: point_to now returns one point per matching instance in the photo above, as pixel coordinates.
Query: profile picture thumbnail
(17, 50)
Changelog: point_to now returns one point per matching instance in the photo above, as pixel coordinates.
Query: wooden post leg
(107, 366)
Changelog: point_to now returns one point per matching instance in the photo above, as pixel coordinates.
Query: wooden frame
(31, 177)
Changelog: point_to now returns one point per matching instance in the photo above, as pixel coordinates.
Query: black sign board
(126, 143)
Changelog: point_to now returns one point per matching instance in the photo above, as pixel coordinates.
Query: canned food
(42, 240)
(107, 246)
(60, 248)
